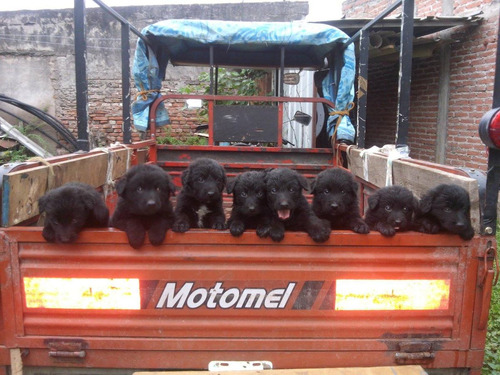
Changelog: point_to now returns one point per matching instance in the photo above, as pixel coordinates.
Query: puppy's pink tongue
(283, 214)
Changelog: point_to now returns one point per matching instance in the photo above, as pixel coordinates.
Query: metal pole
(364, 46)
(405, 62)
(282, 72)
(127, 138)
(386, 12)
(81, 76)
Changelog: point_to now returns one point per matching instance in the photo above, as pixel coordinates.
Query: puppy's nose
(211, 193)
(151, 203)
(460, 224)
(334, 205)
(398, 221)
(284, 205)
(251, 208)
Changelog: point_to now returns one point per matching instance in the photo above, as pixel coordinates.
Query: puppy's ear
(231, 184)
(355, 186)
(224, 177)
(303, 182)
(171, 187)
(373, 201)
(425, 204)
(121, 185)
(313, 185)
(42, 203)
(185, 177)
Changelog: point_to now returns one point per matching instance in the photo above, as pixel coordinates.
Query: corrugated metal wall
(298, 134)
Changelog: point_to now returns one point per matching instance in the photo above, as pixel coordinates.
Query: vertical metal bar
(211, 70)
(280, 124)
(364, 46)
(405, 62)
(126, 83)
(282, 72)
(489, 219)
(210, 122)
(81, 76)
(216, 80)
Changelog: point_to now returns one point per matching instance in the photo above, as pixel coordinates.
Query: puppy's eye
(260, 194)
(244, 194)
(274, 190)
(342, 192)
(388, 208)
(201, 179)
(326, 191)
(291, 189)
(406, 209)
(447, 209)
(139, 189)
(158, 188)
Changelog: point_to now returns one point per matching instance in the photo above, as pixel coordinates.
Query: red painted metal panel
(302, 330)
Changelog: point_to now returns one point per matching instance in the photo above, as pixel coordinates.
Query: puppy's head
(393, 205)
(450, 205)
(283, 190)
(66, 212)
(335, 192)
(249, 193)
(204, 180)
(146, 188)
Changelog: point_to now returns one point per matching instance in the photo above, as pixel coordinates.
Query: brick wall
(471, 86)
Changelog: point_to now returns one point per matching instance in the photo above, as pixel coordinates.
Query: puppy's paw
(320, 232)
(467, 234)
(219, 225)
(263, 230)
(361, 227)
(276, 234)
(429, 226)
(136, 240)
(386, 230)
(237, 228)
(180, 226)
(156, 237)
(49, 234)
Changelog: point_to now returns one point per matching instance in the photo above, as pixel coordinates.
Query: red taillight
(489, 128)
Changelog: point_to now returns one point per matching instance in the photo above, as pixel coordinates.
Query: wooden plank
(372, 167)
(384, 370)
(22, 189)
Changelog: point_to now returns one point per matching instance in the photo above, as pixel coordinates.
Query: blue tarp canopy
(240, 44)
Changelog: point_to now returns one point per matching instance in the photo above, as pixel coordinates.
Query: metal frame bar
(364, 45)
(81, 76)
(489, 219)
(405, 64)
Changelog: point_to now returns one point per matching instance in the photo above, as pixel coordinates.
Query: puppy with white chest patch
(199, 204)
(250, 210)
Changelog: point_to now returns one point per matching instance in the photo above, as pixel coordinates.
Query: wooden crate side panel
(22, 189)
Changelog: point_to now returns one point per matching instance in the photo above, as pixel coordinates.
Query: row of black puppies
(269, 201)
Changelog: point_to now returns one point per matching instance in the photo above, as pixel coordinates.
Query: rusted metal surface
(298, 326)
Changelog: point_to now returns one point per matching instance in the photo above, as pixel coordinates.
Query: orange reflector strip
(392, 295)
(70, 293)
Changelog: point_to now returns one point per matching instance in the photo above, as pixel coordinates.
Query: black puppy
(446, 207)
(391, 209)
(335, 198)
(70, 208)
(249, 204)
(290, 208)
(144, 204)
(199, 204)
